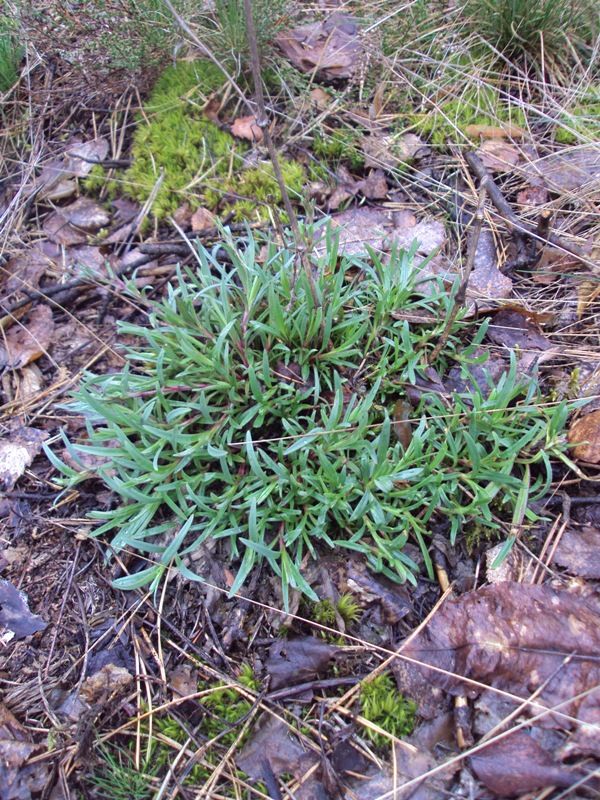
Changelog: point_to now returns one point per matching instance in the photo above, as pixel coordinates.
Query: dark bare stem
(461, 292)
(263, 123)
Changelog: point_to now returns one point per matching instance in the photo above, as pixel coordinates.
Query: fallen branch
(509, 215)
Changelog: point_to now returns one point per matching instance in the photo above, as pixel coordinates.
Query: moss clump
(478, 105)
(382, 704)
(340, 145)
(200, 163)
(582, 122)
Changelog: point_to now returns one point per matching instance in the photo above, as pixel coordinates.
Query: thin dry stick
(461, 292)
(263, 123)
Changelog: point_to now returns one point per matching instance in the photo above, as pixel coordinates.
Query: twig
(509, 215)
(461, 292)
(58, 289)
(263, 123)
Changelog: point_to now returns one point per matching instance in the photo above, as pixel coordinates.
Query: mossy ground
(191, 158)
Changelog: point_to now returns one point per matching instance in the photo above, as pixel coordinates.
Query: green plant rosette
(259, 412)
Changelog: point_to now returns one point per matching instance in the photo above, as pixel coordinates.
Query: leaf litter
(514, 639)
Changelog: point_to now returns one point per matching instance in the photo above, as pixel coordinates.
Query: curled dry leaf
(516, 765)
(25, 343)
(521, 639)
(202, 218)
(584, 433)
(330, 48)
(494, 131)
(247, 128)
(104, 683)
(579, 552)
(298, 660)
(16, 620)
(17, 452)
(498, 155)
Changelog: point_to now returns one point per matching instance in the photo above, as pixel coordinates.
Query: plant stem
(461, 292)
(263, 123)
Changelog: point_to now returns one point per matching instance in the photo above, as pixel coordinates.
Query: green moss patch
(191, 158)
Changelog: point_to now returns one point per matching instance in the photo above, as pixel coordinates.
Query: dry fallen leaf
(517, 765)
(494, 131)
(17, 451)
(202, 218)
(16, 620)
(246, 128)
(584, 433)
(498, 155)
(579, 552)
(568, 170)
(25, 343)
(297, 660)
(330, 48)
(520, 638)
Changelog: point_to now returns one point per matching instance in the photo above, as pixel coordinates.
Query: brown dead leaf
(579, 552)
(321, 99)
(520, 638)
(515, 330)
(212, 108)
(532, 196)
(272, 741)
(202, 218)
(105, 682)
(374, 186)
(246, 128)
(71, 224)
(330, 48)
(17, 451)
(569, 170)
(183, 680)
(494, 131)
(298, 660)
(517, 765)
(16, 620)
(584, 433)
(498, 155)
(25, 343)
